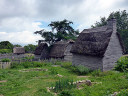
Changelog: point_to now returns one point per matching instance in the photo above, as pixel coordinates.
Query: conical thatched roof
(40, 48)
(93, 41)
(58, 49)
(18, 50)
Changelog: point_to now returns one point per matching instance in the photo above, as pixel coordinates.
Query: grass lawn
(34, 82)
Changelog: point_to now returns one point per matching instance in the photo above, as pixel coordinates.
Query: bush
(80, 69)
(96, 72)
(63, 84)
(123, 93)
(65, 93)
(66, 64)
(28, 64)
(3, 51)
(5, 60)
(122, 64)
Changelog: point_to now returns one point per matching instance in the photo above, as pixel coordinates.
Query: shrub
(123, 93)
(63, 84)
(122, 64)
(66, 64)
(65, 93)
(53, 71)
(3, 51)
(82, 69)
(96, 72)
(5, 60)
(29, 64)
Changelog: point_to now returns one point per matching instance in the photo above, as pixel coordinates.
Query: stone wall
(88, 61)
(114, 50)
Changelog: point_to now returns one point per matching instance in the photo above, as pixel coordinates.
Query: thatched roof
(92, 41)
(40, 48)
(18, 50)
(58, 49)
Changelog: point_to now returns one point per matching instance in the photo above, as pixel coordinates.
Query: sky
(19, 19)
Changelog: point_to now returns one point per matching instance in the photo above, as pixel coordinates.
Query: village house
(18, 50)
(98, 48)
(42, 51)
(61, 50)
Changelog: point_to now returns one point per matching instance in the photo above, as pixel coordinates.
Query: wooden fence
(5, 65)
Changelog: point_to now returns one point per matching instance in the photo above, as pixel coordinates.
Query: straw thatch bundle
(18, 50)
(92, 41)
(40, 48)
(58, 49)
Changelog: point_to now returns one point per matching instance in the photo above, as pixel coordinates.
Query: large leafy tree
(60, 30)
(30, 48)
(6, 45)
(122, 24)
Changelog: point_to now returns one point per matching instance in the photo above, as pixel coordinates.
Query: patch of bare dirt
(3, 81)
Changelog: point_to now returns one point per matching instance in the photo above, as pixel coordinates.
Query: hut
(98, 48)
(42, 51)
(18, 50)
(61, 50)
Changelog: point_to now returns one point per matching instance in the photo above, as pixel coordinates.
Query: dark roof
(93, 41)
(18, 50)
(58, 49)
(40, 48)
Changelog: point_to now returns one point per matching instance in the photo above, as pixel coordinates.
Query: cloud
(21, 16)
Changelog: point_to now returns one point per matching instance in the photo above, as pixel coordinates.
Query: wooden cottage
(61, 50)
(98, 48)
(42, 51)
(18, 50)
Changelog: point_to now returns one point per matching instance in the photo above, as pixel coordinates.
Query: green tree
(60, 30)
(6, 45)
(30, 48)
(17, 45)
(122, 25)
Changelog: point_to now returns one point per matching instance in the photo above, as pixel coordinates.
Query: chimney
(112, 24)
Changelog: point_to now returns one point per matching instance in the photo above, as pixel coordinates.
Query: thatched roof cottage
(42, 51)
(18, 50)
(98, 48)
(61, 49)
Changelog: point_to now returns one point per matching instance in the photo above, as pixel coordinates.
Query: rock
(115, 94)
(88, 82)
(59, 75)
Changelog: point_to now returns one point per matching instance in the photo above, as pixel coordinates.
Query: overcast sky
(20, 18)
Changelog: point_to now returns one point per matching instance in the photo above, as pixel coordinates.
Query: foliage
(30, 48)
(28, 58)
(6, 45)
(53, 71)
(66, 64)
(122, 24)
(80, 69)
(60, 30)
(65, 93)
(122, 64)
(34, 83)
(123, 93)
(96, 72)
(3, 51)
(63, 84)
(17, 45)
(29, 64)
(5, 60)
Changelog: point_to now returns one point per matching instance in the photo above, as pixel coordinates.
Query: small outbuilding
(98, 48)
(61, 50)
(42, 51)
(18, 50)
